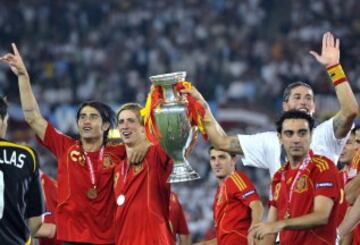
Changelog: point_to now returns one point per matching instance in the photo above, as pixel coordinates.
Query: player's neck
(91, 145)
(295, 162)
(222, 179)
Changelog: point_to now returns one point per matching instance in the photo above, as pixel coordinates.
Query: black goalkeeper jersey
(20, 192)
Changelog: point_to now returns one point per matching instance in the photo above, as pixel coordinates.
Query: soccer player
(350, 157)
(21, 203)
(346, 173)
(263, 149)
(177, 221)
(237, 205)
(86, 203)
(305, 191)
(142, 192)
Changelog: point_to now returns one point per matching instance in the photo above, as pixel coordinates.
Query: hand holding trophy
(171, 120)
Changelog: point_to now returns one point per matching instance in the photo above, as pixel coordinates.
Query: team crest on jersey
(138, 168)
(107, 163)
(277, 191)
(116, 178)
(77, 157)
(301, 184)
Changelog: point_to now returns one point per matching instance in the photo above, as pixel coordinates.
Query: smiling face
(90, 124)
(222, 164)
(296, 138)
(131, 129)
(300, 98)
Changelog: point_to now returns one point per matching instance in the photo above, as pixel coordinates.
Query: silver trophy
(174, 126)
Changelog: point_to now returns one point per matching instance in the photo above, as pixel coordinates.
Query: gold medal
(92, 193)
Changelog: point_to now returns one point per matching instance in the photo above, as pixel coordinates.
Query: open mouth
(86, 129)
(303, 110)
(126, 134)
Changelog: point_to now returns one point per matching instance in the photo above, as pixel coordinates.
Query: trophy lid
(168, 78)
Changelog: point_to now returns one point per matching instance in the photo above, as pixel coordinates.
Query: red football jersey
(80, 219)
(320, 177)
(142, 191)
(232, 213)
(178, 223)
(343, 205)
(49, 186)
(355, 168)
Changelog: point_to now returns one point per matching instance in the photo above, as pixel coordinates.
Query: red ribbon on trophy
(195, 111)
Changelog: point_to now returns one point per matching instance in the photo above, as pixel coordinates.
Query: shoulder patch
(321, 163)
(239, 182)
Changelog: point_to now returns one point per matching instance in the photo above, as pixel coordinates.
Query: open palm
(330, 51)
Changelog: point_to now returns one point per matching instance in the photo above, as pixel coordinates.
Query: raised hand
(330, 51)
(15, 62)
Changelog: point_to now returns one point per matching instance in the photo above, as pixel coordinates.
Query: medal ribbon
(288, 193)
(90, 165)
(124, 174)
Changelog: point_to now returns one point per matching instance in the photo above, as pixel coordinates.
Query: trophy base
(182, 174)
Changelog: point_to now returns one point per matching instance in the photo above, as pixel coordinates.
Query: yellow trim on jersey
(321, 164)
(28, 242)
(28, 149)
(238, 181)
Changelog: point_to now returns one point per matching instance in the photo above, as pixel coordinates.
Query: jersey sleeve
(327, 179)
(34, 197)
(325, 143)
(275, 189)
(56, 141)
(243, 189)
(49, 186)
(260, 150)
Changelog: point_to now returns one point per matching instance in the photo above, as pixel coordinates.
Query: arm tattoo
(341, 127)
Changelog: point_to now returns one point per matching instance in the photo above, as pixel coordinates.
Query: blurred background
(239, 54)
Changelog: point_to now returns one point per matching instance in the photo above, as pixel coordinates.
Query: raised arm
(217, 135)
(330, 58)
(29, 104)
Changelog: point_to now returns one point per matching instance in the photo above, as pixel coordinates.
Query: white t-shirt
(263, 150)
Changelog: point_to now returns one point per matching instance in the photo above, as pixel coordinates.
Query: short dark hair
(232, 155)
(291, 86)
(294, 114)
(134, 107)
(356, 128)
(3, 108)
(105, 111)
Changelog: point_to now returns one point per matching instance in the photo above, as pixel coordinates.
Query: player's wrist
(336, 74)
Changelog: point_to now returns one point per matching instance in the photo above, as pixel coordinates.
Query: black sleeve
(34, 196)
